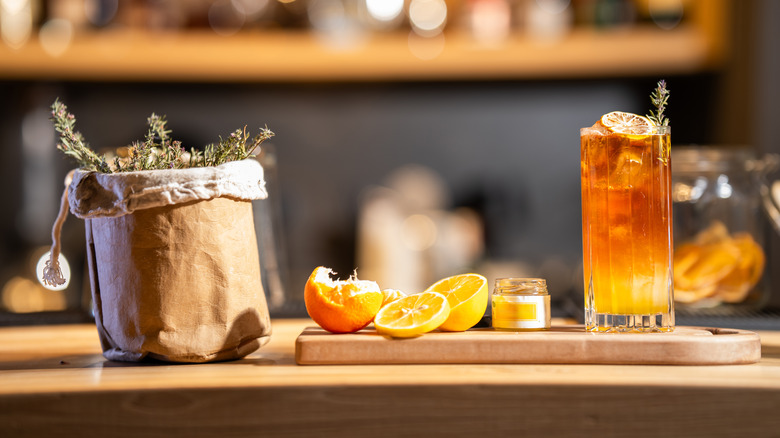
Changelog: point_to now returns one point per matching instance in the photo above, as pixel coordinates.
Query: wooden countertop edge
(28, 369)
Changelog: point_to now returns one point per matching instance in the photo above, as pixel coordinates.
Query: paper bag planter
(173, 261)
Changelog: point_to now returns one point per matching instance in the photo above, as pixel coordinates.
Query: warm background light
(428, 17)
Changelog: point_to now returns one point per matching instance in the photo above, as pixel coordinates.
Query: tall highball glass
(627, 230)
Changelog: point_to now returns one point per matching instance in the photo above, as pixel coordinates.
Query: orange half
(341, 306)
(413, 315)
(467, 295)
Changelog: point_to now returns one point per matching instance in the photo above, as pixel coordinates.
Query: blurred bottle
(489, 21)
(548, 20)
(408, 237)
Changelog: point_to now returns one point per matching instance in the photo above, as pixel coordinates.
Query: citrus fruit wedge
(341, 306)
(627, 123)
(467, 295)
(390, 295)
(736, 286)
(413, 315)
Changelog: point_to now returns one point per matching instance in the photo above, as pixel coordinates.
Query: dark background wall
(509, 149)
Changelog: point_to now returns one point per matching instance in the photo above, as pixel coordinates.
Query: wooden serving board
(568, 344)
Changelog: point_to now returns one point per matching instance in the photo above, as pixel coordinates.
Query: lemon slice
(467, 295)
(413, 315)
(627, 123)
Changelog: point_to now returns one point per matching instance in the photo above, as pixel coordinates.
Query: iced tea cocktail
(627, 225)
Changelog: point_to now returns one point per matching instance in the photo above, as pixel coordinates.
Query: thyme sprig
(72, 142)
(237, 146)
(659, 98)
(157, 151)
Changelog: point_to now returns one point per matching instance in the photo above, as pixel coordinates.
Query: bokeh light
(22, 295)
(666, 14)
(384, 10)
(101, 12)
(225, 18)
(251, 8)
(426, 48)
(335, 24)
(16, 22)
(548, 20)
(55, 36)
(490, 21)
(553, 6)
(428, 17)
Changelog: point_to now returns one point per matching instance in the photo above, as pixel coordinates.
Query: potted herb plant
(172, 255)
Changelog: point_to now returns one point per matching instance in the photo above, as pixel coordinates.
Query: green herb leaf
(659, 98)
(157, 151)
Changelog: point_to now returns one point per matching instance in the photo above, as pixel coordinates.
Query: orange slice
(413, 315)
(627, 123)
(467, 295)
(716, 261)
(717, 266)
(716, 232)
(736, 286)
(341, 306)
(390, 295)
(692, 296)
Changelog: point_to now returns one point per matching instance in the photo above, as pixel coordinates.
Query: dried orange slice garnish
(627, 123)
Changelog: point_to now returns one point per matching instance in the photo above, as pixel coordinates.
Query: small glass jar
(520, 304)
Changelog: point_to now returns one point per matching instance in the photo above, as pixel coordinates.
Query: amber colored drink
(626, 229)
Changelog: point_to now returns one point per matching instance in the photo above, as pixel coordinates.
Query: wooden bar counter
(54, 382)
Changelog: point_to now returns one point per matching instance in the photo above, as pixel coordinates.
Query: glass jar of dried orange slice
(720, 230)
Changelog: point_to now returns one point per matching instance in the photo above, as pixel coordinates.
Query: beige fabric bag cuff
(93, 194)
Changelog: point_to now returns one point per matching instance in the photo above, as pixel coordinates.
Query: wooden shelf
(301, 56)
(697, 45)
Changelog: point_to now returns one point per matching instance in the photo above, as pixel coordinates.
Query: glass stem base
(609, 322)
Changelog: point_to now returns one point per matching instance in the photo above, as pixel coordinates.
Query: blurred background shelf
(483, 40)
(490, 125)
(303, 56)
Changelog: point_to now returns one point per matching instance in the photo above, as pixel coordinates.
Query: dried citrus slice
(736, 286)
(467, 295)
(413, 315)
(692, 296)
(717, 266)
(685, 256)
(753, 252)
(341, 306)
(627, 123)
(715, 233)
(716, 261)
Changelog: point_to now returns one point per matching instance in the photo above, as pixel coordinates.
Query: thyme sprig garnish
(157, 151)
(659, 98)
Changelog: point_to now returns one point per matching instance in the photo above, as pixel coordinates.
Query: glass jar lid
(705, 159)
(521, 286)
